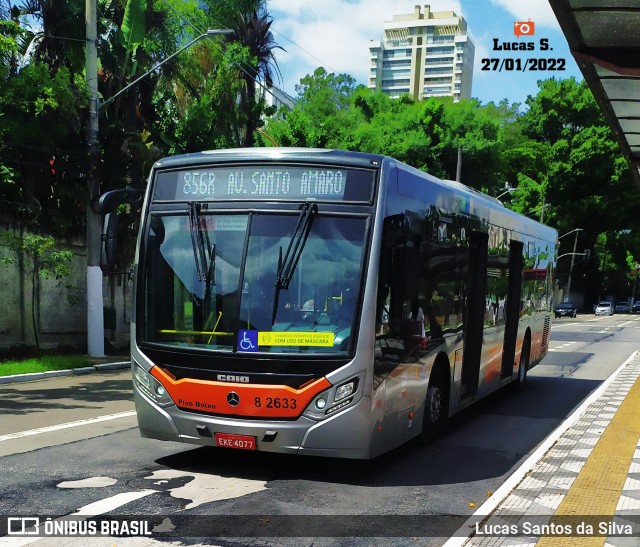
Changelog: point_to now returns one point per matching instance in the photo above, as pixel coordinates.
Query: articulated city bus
(327, 303)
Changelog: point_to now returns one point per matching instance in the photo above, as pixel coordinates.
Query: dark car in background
(622, 307)
(636, 306)
(566, 309)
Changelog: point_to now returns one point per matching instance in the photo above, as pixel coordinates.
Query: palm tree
(255, 33)
(252, 24)
(53, 32)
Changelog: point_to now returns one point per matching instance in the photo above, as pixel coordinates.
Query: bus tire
(435, 407)
(520, 382)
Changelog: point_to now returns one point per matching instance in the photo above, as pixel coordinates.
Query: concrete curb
(34, 376)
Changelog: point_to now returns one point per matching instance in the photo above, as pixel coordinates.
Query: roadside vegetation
(43, 364)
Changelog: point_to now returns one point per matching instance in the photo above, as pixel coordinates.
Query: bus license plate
(229, 440)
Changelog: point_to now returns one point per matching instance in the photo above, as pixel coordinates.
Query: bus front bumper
(345, 435)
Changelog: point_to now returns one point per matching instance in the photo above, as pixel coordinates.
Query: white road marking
(563, 325)
(109, 504)
(67, 425)
(561, 346)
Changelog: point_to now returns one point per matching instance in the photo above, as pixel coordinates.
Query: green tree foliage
(251, 22)
(187, 104)
(133, 26)
(556, 151)
(10, 32)
(583, 179)
(583, 173)
(41, 139)
(317, 118)
(210, 122)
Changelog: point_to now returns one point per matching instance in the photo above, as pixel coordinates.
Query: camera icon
(23, 526)
(524, 28)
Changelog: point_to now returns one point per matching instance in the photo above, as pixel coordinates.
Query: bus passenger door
(474, 321)
(514, 295)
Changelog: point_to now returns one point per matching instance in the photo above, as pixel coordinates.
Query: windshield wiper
(287, 265)
(203, 251)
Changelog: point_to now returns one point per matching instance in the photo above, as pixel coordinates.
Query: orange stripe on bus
(255, 400)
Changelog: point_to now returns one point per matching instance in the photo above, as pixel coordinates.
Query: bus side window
(397, 314)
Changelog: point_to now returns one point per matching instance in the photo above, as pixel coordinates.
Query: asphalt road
(101, 466)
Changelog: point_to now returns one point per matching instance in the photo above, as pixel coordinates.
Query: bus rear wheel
(521, 380)
(435, 409)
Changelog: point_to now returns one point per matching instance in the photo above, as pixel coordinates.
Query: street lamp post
(95, 301)
(210, 32)
(573, 255)
(507, 190)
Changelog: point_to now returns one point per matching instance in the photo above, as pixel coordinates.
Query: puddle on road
(205, 488)
(202, 488)
(91, 482)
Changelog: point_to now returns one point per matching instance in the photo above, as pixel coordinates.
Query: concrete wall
(60, 304)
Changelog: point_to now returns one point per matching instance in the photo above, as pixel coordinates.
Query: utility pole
(573, 255)
(95, 303)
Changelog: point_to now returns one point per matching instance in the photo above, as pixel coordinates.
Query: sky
(336, 34)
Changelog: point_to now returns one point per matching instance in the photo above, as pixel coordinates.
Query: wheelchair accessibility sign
(248, 340)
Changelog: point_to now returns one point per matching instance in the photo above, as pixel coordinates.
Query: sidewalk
(581, 486)
(100, 364)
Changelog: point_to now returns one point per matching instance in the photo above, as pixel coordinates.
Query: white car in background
(604, 308)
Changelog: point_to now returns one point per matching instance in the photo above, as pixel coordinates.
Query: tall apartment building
(425, 54)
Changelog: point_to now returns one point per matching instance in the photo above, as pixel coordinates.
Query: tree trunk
(34, 304)
(250, 112)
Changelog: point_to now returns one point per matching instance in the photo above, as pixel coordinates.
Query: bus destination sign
(261, 182)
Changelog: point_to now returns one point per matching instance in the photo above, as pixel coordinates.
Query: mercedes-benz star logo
(233, 398)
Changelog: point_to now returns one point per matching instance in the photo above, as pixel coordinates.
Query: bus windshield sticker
(295, 338)
(248, 340)
(225, 223)
(265, 183)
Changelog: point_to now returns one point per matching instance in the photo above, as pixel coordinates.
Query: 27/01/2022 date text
(522, 65)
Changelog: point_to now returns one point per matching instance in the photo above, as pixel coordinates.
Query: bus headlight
(342, 396)
(153, 389)
(345, 390)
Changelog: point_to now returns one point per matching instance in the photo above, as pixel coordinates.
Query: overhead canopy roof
(604, 37)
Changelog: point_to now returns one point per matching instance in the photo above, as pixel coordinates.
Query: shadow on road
(30, 399)
(486, 441)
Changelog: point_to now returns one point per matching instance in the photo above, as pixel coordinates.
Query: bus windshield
(253, 282)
